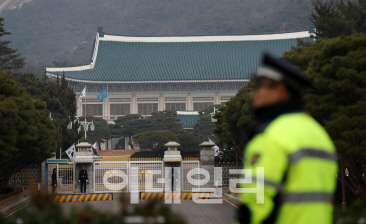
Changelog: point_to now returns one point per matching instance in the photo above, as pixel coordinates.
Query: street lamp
(213, 114)
(84, 123)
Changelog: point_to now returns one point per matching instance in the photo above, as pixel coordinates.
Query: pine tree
(338, 98)
(9, 58)
(336, 18)
(60, 102)
(27, 134)
(236, 120)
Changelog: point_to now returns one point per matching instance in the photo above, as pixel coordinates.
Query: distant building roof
(188, 118)
(124, 59)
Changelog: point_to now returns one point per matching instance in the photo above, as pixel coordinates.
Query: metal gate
(65, 180)
(111, 176)
(189, 167)
(145, 175)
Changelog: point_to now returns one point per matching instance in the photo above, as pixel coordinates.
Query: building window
(93, 110)
(120, 109)
(147, 99)
(175, 106)
(119, 100)
(90, 100)
(201, 106)
(175, 99)
(226, 97)
(147, 108)
(202, 98)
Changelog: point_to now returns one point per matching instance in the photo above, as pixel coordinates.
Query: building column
(161, 105)
(189, 101)
(106, 108)
(134, 109)
(217, 98)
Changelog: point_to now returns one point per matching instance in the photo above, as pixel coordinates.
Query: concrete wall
(27, 178)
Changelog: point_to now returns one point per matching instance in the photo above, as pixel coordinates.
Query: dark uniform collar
(266, 115)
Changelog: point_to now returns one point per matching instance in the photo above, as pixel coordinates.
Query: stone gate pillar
(207, 157)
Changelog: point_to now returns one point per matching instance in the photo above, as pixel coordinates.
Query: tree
(167, 120)
(27, 134)
(236, 120)
(204, 127)
(132, 124)
(9, 58)
(118, 129)
(102, 131)
(154, 140)
(60, 101)
(336, 18)
(188, 143)
(338, 98)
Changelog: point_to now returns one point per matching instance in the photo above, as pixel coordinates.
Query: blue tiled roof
(178, 61)
(188, 121)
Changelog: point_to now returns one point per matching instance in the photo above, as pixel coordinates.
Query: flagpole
(109, 113)
(85, 112)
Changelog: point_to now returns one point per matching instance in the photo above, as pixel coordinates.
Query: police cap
(82, 166)
(281, 71)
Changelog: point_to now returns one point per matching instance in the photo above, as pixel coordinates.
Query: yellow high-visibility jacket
(299, 178)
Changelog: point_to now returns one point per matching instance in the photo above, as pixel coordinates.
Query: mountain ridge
(52, 30)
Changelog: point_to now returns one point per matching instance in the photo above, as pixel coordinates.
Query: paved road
(194, 213)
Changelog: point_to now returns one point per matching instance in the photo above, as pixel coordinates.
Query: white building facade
(182, 73)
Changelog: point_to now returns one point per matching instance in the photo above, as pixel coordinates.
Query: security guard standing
(173, 178)
(54, 181)
(83, 179)
(296, 153)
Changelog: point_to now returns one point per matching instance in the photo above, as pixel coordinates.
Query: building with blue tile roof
(188, 118)
(147, 74)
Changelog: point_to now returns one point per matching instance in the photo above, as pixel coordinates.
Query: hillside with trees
(51, 30)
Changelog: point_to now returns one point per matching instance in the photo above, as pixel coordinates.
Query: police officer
(54, 181)
(173, 178)
(83, 179)
(296, 153)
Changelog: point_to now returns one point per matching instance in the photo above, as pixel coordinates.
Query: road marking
(87, 197)
(189, 196)
(17, 210)
(105, 197)
(175, 195)
(92, 199)
(148, 195)
(99, 196)
(153, 196)
(228, 202)
(203, 194)
(75, 196)
(68, 198)
(83, 197)
(178, 195)
(195, 196)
